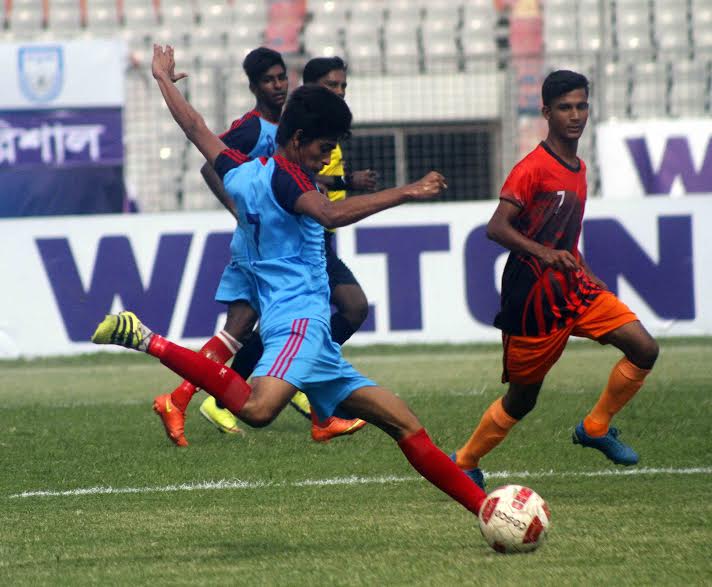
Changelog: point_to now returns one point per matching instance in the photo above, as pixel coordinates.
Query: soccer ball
(514, 519)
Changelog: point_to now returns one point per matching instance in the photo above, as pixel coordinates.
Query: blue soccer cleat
(608, 444)
(475, 474)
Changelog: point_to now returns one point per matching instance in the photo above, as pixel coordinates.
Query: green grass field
(273, 508)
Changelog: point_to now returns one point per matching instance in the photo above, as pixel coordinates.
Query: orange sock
(623, 383)
(492, 429)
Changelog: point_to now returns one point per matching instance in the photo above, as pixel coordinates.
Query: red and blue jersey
(285, 250)
(253, 135)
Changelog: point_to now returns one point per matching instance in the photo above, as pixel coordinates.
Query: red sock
(321, 423)
(222, 383)
(219, 348)
(436, 467)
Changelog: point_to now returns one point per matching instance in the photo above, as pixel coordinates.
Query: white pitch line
(355, 480)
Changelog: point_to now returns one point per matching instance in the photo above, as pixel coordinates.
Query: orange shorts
(527, 359)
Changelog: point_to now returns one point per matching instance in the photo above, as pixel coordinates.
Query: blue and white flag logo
(41, 70)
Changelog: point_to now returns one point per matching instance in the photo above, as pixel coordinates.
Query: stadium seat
(326, 12)
(323, 39)
(367, 12)
(363, 42)
(650, 85)
(689, 94)
(477, 40)
(616, 91)
(216, 16)
(701, 24)
(400, 40)
(632, 25)
(440, 50)
(671, 26)
(177, 16)
(447, 13)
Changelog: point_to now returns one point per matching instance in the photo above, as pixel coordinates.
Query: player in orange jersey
(549, 292)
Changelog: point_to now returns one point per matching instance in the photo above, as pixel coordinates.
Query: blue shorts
(304, 355)
(236, 283)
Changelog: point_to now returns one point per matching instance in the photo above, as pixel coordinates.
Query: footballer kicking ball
(514, 519)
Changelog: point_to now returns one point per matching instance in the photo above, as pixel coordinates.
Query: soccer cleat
(222, 418)
(608, 444)
(300, 402)
(123, 329)
(173, 419)
(475, 474)
(333, 427)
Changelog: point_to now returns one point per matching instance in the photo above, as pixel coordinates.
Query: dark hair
(561, 82)
(318, 112)
(317, 68)
(260, 60)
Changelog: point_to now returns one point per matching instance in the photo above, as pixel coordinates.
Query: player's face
(315, 154)
(568, 114)
(272, 87)
(335, 81)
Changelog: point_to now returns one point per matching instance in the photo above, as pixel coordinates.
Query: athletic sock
(623, 383)
(222, 383)
(492, 429)
(249, 355)
(219, 348)
(341, 329)
(436, 467)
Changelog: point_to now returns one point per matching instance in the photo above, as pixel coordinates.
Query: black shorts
(336, 269)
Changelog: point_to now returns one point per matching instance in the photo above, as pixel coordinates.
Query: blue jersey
(254, 136)
(285, 250)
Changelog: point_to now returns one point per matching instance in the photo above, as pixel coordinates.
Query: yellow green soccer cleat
(221, 418)
(123, 329)
(300, 402)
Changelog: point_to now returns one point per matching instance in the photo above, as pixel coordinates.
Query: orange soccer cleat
(173, 419)
(333, 427)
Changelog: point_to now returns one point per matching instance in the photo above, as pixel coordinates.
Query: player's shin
(219, 348)
(226, 386)
(492, 429)
(436, 467)
(623, 383)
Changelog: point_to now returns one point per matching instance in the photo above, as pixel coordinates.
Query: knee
(646, 354)
(258, 417)
(356, 313)
(517, 404)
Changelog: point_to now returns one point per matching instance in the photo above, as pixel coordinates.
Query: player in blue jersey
(254, 134)
(284, 219)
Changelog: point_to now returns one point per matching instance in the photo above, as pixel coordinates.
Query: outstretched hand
(164, 64)
(430, 186)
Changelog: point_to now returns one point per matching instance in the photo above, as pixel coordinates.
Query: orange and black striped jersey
(551, 196)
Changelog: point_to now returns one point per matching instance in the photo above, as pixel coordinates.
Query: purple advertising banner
(61, 138)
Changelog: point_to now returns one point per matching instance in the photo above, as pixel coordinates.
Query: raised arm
(192, 123)
(344, 212)
(501, 229)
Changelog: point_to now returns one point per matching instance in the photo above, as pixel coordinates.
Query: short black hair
(561, 82)
(318, 112)
(259, 60)
(317, 68)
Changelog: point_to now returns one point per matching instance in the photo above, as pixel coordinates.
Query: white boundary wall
(428, 271)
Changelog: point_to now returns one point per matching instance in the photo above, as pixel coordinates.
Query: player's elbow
(330, 216)
(493, 230)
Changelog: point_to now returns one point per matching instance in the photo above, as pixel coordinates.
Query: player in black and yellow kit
(549, 292)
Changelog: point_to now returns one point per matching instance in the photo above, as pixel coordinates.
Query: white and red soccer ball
(514, 519)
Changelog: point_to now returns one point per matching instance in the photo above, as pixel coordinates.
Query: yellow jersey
(335, 168)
